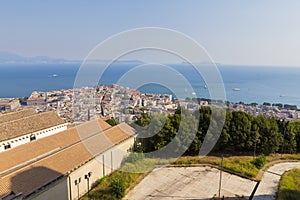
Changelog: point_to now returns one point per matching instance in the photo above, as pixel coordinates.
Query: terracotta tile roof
(43, 146)
(16, 115)
(34, 176)
(60, 163)
(29, 124)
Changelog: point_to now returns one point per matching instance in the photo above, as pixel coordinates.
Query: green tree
(144, 120)
(271, 138)
(296, 129)
(112, 121)
(240, 127)
(223, 142)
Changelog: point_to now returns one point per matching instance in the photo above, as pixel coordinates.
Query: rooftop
(16, 115)
(65, 151)
(28, 124)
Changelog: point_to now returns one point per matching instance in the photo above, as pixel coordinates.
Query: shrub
(118, 188)
(259, 162)
(102, 180)
(134, 157)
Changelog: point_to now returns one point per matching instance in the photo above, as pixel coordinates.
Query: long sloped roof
(16, 115)
(29, 124)
(47, 167)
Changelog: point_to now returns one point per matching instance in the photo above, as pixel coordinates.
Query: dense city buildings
(9, 104)
(126, 105)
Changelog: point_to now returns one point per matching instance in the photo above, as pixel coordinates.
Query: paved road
(270, 182)
(189, 183)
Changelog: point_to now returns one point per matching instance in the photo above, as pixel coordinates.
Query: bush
(259, 162)
(112, 121)
(134, 157)
(118, 188)
(102, 180)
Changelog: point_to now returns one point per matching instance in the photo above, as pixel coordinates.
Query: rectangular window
(32, 137)
(7, 146)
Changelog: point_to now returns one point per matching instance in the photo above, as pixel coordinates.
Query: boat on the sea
(54, 75)
(236, 89)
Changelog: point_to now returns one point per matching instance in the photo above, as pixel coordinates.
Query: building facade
(25, 126)
(64, 165)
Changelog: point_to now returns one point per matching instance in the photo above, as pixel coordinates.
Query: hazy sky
(233, 32)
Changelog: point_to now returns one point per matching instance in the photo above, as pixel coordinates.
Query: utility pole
(221, 169)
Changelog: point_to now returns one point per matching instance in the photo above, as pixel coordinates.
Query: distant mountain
(12, 58)
(95, 61)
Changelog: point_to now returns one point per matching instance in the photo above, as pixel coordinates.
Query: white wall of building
(112, 160)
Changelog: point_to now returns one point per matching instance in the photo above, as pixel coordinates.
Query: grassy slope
(129, 174)
(289, 187)
(238, 164)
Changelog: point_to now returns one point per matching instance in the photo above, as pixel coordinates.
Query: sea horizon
(248, 84)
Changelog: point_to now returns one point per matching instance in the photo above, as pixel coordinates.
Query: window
(7, 146)
(32, 137)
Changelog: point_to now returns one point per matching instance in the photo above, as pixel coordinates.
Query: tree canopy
(241, 132)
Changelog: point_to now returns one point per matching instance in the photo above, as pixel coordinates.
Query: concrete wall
(26, 138)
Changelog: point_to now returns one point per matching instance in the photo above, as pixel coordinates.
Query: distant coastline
(256, 84)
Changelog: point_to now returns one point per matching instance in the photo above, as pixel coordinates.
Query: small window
(7, 146)
(32, 138)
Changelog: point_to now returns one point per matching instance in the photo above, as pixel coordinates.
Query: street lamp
(77, 181)
(87, 177)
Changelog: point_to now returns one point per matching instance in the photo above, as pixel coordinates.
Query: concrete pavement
(189, 183)
(270, 181)
(203, 183)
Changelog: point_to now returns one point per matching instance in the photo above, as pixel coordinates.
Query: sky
(238, 32)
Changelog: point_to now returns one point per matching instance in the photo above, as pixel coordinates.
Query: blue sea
(256, 83)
